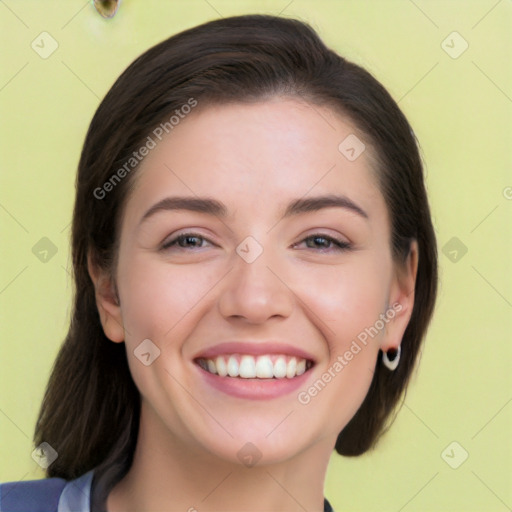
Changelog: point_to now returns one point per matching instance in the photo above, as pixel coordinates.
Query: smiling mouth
(268, 366)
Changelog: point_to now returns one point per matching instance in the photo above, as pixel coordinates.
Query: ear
(107, 302)
(401, 299)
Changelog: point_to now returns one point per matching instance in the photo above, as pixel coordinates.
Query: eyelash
(338, 244)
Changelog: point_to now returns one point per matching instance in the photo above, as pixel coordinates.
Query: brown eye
(186, 241)
(324, 242)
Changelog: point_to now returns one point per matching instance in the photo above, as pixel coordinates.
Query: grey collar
(76, 495)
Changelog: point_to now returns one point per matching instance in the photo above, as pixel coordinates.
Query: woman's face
(268, 249)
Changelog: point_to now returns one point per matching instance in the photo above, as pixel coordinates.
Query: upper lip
(255, 348)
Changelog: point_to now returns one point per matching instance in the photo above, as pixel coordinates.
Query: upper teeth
(250, 367)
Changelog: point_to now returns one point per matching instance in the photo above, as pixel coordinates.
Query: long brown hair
(90, 412)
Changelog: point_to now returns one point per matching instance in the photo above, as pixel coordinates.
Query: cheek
(157, 298)
(345, 302)
(345, 299)
(160, 302)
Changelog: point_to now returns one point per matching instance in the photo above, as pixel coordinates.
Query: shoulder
(46, 495)
(34, 495)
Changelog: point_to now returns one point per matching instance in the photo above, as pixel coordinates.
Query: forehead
(254, 154)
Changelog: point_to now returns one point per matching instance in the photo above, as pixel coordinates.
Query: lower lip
(254, 389)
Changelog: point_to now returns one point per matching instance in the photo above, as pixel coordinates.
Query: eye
(316, 241)
(186, 241)
(325, 243)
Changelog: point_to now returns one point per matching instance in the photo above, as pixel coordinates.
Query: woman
(255, 270)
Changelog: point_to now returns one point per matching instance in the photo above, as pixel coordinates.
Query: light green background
(461, 111)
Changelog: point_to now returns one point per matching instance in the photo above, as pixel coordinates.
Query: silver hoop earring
(391, 358)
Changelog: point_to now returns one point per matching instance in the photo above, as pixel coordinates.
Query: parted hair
(91, 407)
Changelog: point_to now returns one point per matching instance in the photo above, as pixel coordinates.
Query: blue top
(47, 495)
(57, 495)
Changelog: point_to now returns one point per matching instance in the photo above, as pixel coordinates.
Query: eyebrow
(314, 204)
(218, 209)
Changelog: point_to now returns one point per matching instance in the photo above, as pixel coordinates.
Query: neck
(169, 474)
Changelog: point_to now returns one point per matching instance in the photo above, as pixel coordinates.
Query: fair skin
(304, 292)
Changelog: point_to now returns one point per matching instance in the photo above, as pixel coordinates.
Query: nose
(255, 292)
